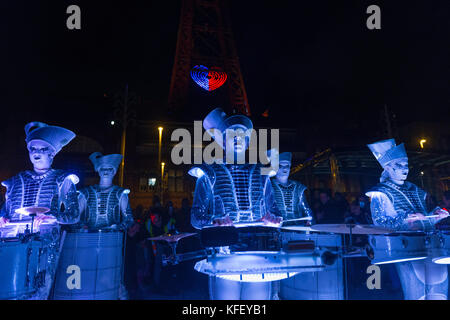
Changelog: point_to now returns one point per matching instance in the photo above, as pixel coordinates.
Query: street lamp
(162, 175)
(160, 129)
(421, 142)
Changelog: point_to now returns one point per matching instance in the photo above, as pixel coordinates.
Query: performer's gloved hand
(413, 221)
(442, 213)
(271, 219)
(3, 222)
(223, 221)
(415, 217)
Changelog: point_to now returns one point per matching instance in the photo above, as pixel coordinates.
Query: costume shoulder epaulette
(8, 183)
(62, 175)
(381, 188)
(203, 169)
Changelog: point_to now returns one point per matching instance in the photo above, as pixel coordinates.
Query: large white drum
(21, 263)
(401, 246)
(99, 257)
(327, 284)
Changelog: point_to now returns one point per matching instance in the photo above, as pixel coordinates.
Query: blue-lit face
(283, 170)
(41, 154)
(237, 142)
(106, 172)
(398, 169)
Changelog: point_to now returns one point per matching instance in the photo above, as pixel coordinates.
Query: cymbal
(355, 228)
(172, 237)
(26, 211)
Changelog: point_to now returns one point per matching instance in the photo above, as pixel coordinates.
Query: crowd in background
(144, 257)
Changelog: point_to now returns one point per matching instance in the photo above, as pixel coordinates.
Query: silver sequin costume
(421, 279)
(406, 199)
(290, 199)
(237, 191)
(103, 208)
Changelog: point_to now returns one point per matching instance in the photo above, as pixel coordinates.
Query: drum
(327, 284)
(442, 255)
(242, 239)
(22, 265)
(258, 239)
(254, 254)
(401, 246)
(98, 254)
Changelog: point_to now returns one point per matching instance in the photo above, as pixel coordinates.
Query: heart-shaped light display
(209, 79)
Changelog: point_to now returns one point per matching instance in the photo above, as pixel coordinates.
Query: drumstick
(298, 219)
(425, 217)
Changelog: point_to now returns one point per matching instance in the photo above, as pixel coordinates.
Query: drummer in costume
(291, 200)
(103, 207)
(230, 193)
(43, 187)
(400, 205)
(289, 194)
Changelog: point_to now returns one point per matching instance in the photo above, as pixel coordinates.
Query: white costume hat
(385, 151)
(218, 119)
(57, 137)
(99, 160)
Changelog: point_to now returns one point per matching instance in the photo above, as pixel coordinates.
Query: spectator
(170, 219)
(184, 217)
(131, 260)
(356, 214)
(328, 211)
(155, 227)
(364, 204)
(341, 203)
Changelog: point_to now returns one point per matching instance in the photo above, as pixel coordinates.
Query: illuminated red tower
(205, 38)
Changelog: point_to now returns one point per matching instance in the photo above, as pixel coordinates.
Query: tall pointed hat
(386, 150)
(218, 119)
(56, 136)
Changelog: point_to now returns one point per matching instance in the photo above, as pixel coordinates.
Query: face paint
(283, 170)
(398, 169)
(106, 172)
(41, 154)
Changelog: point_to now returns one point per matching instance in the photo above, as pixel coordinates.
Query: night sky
(308, 62)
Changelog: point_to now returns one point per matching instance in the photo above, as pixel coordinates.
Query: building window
(147, 184)
(151, 182)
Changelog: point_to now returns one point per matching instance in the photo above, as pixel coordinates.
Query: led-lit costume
(105, 208)
(55, 190)
(290, 198)
(391, 203)
(236, 191)
(104, 214)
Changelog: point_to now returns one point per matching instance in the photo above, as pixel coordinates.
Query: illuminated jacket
(103, 208)
(399, 201)
(237, 191)
(54, 190)
(290, 199)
